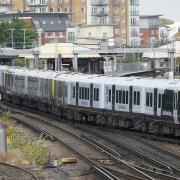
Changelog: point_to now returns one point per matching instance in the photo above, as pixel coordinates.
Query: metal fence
(125, 67)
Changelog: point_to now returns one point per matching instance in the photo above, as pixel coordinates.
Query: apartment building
(123, 14)
(149, 28)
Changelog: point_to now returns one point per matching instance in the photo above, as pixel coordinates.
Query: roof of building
(150, 16)
(164, 54)
(67, 50)
(48, 22)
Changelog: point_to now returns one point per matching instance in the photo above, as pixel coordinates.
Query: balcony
(134, 13)
(37, 4)
(6, 3)
(99, 3)
(100, 13)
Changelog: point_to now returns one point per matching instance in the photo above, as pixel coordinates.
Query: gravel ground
(174, 148)
(75, 171)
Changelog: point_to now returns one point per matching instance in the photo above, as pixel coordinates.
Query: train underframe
(139, 122)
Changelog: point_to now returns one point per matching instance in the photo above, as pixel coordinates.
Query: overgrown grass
(34, 149)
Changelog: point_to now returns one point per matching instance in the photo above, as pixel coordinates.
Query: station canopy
(159, 55)
(67, 50)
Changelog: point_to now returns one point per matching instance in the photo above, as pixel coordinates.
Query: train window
(85, 93)
(74, 92)
(123, 98)
(120, 97)
(127, 97)
(159, 100)
(137, 98)
(96, 94)
(79, 92)
(117, 97)
(109, 95)
(149, 99)
(168, 102)
(88, 94)
(134, 97)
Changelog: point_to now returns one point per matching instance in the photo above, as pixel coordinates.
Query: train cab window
(149, 99)
(168, 102)
(96, 94)
(137, 98)
(109, 95)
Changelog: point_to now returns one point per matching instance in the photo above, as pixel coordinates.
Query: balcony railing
(6, 3)
(100, 13)
(37, 4)
(134, 13)
(99, 3)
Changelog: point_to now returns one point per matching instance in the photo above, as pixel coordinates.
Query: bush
(34, 149)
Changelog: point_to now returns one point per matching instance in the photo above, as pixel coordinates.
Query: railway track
(90, 152)
(12, 172)
(107, 172)
(153, 153)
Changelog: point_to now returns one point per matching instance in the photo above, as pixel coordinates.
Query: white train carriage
(159, 98)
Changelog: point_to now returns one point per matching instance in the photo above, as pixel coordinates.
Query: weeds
(34, 149)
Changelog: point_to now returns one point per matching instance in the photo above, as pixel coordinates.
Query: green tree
(165, 21)
(19, 27)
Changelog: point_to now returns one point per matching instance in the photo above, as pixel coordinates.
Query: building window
(105, 35)
(71, 36)
(83, 10)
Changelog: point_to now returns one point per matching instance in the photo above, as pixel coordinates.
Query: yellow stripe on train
(53, 88)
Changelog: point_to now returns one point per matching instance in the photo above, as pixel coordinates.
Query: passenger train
(145, 104)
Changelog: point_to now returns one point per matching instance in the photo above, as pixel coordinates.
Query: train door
(155, 101)
(178, 106)
(108, 97)
(167, 104)
(175, 108)
(72, 93)
(159, 101)
(149, 94)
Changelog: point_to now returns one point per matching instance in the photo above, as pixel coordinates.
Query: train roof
(101, 79)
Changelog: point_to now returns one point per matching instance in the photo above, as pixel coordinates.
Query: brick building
(123, 14)
(149, 29)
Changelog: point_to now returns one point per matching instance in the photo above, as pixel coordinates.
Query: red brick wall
(147, 34)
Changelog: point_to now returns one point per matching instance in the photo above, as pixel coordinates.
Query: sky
(168, 8)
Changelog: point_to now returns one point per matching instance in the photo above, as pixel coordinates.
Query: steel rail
(27, 172)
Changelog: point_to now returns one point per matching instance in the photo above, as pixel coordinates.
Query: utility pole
(12, 37)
